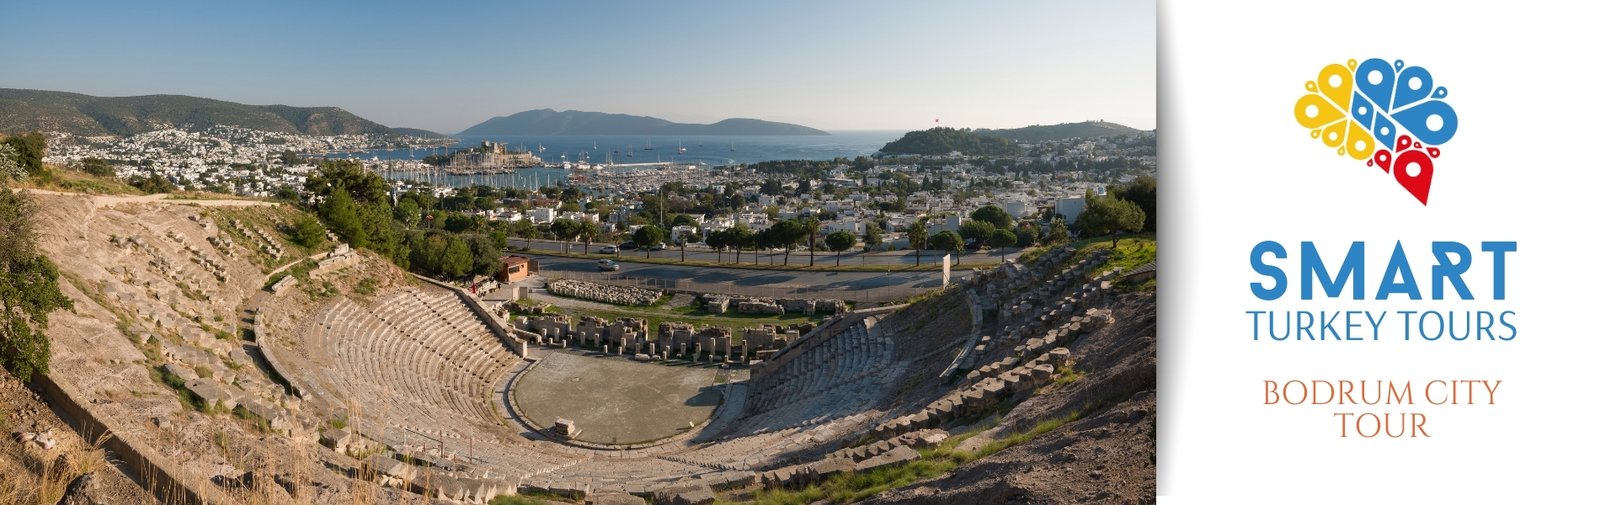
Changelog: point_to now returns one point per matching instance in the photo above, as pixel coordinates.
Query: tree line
(1130, 208)
(29, 288)
(943, 140)
(413, 233)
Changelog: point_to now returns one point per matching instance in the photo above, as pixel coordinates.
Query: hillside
(34, 110)
(1063, 131)
(572, 122)
(1103, 453)
(936, 141)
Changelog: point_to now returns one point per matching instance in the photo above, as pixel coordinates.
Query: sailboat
(730, 147)
(681, 150)
(541, 147)
(647, 144)
(630, 150)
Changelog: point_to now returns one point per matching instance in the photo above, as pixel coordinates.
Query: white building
(951, 223)
(1069, 208)
(580, 216)
(541, 215)
(847, 225)
(679, 231)
(754, 220)
(1018, 208)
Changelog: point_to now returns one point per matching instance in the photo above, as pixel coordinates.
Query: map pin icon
(1407, 162)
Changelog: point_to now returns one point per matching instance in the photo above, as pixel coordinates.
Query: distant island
(572, 122)
(35, 110)
(1063, 131)
(944, 140)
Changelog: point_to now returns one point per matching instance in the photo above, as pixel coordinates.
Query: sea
(707, 150)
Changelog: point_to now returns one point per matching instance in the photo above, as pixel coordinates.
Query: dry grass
(30, 475)
(57, 178)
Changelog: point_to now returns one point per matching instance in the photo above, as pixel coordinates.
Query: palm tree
(683, 242)
(811, 226)
(588, 230)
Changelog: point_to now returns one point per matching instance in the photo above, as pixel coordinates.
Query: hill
(418, 132)
(1063, 131)
(572, 122)
(34, 110)
(935, 141)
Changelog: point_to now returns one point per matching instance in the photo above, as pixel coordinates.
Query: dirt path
(101, 201)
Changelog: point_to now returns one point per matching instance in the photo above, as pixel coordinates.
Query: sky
(834, 65)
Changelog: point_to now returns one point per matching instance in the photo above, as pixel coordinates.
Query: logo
(1387, 114)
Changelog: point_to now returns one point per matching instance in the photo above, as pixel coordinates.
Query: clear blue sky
(841, 65)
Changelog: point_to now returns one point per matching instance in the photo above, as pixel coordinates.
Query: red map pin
(1420, 183)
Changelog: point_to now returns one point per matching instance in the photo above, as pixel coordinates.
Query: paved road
(870, 286)
(702, 253)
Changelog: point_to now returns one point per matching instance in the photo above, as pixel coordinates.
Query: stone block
(394, 468)
(1058, 355)
(831, 466)
(613, 498)
(686, 495)
(929, 439)
(337, 439)
(212, 393)
(900, 454)
(181, 371)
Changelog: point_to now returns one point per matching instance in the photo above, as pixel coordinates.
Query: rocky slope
(1107, 455)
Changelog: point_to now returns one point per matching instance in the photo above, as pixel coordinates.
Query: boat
(681, 150)
(647, 144)
(730, 147)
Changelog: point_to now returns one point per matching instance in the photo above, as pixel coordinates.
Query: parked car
(659, 246)
(627, 246)
(608, 266)
(610, 249)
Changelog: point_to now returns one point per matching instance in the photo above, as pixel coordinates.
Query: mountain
(942, 140)
(34, 110)
(1063, 131)
(573, 122)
